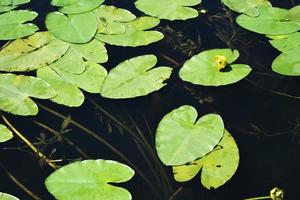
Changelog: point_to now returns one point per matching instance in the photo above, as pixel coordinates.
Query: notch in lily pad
(181, 137)
(134, 78)
(217, 167)
(90, 179)
(214, 68)
(13, 24)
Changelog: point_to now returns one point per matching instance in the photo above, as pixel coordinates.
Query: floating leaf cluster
(189, 144)
(280, 25)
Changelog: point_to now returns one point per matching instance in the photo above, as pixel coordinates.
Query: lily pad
(15, 93)
(286, 42)
(294, 14)
(136, 33)
(67, 84)
(112, 20)
(74, 60)
(76, 7)
(248, 7)
(13, 2)
(181, 138)
(288, 63)
(7, 8)
(8, 5)
(135, 77)
(271, 21)
(70, 181)
(205, 69)
(4, 196)
(79, 28)
(169, 9)
(13, 24)
(5, 135)
(38, 50)
(217, 167)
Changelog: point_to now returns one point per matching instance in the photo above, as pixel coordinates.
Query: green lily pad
(74, 60)
(5, 135)
(13, 26)
(136, 33)
(76, 7)
(70, 181)
(13, 2)
(181, 138)
(7, 8)
(8, 5)
(285, 42)
(203, 69)
(169, 9)
(288, 63)
(271, 21)
(217, 167)
(4, 196)
(15, 93)
(79, 28)
(135, 77)
(294, 14)
(38, 50)
(67, 84)
(111, 20)
(248, 7)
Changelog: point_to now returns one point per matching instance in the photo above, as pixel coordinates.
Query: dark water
(266, 125)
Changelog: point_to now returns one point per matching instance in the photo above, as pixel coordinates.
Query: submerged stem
(69, 142)
(258, 198)
(103, 141)
(31, 146)
(273, 91)
(19, 184)
(141, 140)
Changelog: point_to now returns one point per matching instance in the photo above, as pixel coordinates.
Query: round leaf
(169, 9)
(217, 167)
(271, 21)
(12, 24)
(68, 94)
(15, 93)
(286, 42)
(135, 77)
(90, 179)
(248, 7)
(202, 69)
(74, 60)
(4, 196)
(288, 63)
(5, 135)
(38, 50)
(78, 6)
(181, 138)
(135, 34)
(79, 28)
